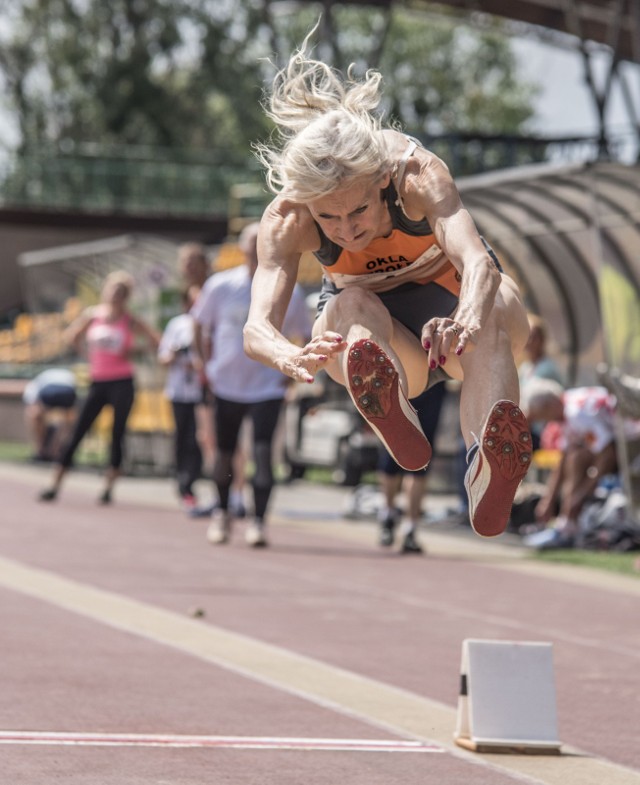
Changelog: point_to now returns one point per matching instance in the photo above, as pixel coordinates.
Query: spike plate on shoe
(373, 384)
(499, 465)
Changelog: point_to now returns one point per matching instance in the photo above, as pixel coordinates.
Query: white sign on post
(507, 697)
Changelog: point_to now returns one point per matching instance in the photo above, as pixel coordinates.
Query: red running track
(88, 698)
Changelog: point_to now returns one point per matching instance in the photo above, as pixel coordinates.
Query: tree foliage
(189, 74)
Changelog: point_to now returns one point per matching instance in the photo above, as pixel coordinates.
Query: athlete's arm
(286, 231)
(78, 328)
(433, 190)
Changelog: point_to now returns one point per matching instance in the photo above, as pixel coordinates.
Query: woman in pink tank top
(108, 330)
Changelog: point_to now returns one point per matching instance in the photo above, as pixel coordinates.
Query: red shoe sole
(373, 383)
(505, 446)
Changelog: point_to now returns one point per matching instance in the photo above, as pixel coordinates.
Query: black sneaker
(50, 495)
(388, 530)
(410, 544)
(105, 497)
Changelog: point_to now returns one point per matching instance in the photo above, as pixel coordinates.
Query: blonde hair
(328, 134)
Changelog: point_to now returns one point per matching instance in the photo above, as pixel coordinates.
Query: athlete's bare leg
(488, 372)
(490, 416)
(356, 313)
(382, 367)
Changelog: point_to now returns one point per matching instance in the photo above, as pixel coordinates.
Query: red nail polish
(442, 359)
(427, 345)
(433, 365)
(459, 351)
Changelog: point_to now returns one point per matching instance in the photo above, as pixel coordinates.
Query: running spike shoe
(498, 462)
(373, 384)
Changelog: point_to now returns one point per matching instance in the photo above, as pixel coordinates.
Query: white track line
(219, 742)
(380, 705)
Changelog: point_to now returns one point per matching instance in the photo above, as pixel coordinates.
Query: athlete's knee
(355, 302)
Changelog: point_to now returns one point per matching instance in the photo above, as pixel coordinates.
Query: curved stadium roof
(608, 22)
(570, 236)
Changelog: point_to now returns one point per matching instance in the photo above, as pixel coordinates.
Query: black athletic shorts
(412, 304)
(57, 396)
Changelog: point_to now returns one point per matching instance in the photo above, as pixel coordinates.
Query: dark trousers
(188, 456)
(118, 394)
(228, 419)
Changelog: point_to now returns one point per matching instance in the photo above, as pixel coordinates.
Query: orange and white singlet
(409, 253)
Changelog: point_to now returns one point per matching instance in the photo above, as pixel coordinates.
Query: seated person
(537, 364)
(51, 390)
(582, 429)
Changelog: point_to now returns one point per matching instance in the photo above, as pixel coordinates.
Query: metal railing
(92, 178)
(119, 183)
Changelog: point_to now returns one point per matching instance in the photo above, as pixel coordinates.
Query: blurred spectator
(393, 478)
(242, 387)
(580, 425)
(537, 365)
(109, 331)
(184, 389)
(195, 267)
(51, 394)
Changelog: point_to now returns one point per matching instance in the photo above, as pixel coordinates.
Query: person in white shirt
(242, 387)
(184, 389)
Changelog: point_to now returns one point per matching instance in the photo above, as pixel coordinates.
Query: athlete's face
(352, 217)
(115, 293)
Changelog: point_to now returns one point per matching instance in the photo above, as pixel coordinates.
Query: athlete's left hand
(313, 356)
(440, 336)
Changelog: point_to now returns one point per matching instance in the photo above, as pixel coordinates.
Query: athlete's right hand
(313, 356)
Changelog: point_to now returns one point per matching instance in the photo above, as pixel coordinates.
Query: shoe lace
(473, 449)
